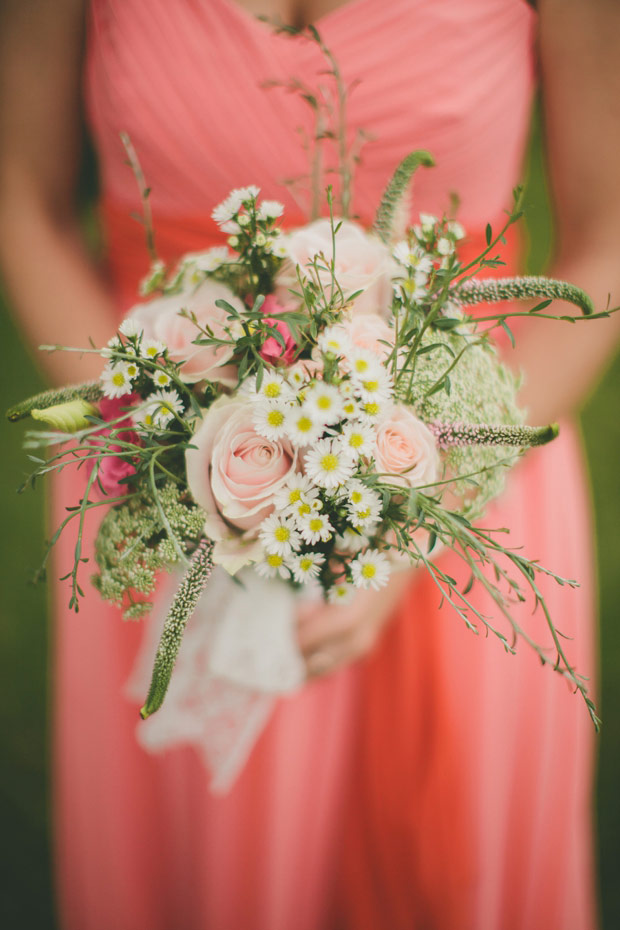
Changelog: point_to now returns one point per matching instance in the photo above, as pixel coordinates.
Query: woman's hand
(331, 636)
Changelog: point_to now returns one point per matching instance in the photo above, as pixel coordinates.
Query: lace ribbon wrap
(238, 653)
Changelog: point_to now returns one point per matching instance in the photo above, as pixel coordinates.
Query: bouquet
(319, 404)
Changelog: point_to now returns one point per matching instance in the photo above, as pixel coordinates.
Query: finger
(335, 654)
(329, 623)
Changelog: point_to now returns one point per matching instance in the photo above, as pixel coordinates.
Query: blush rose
(362, 262)
(160, 320)
(406, 448)
(233, 474)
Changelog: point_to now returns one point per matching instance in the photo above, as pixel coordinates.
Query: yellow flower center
(361, 365)
(316, 525)
(275, 418)
(369, 570)
(272, 389)
(356, 497)
(324, 402)
(371, 385)
(371, 408)
(356, 440)
(306, 564)
(275, 560)
(304, 424)
(364, 514)
(282, 534)
(118, 379)
(294, 495)
(329, 462)
(303, 509)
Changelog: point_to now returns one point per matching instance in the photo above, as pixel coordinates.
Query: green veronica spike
(183, 606)
(491, 290)
(397, 189)
(89, 391)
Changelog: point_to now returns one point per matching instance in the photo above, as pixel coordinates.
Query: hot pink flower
(272, 350)
(113, 468)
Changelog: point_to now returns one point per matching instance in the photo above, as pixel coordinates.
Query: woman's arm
(580, 67)
(55, 288)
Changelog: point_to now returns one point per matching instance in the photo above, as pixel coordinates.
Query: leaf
(488, 234)
(508, 332)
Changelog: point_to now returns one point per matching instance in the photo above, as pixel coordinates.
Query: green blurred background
(26, 895)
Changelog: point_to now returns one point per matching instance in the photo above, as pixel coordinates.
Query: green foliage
(139, 538)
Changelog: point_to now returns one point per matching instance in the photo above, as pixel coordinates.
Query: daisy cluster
(327, 513)
(430, 245)
(140, 366)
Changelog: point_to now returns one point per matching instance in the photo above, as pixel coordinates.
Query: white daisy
(327, 465)
(298, 488)
(273, 387)
(334, 341)
(359, 495)
(270, 210)
(371, 411)
(279, 536)
(315, 527)
(306, 566)
(232, 227)
(414, 288)
(364, 364)
(159, 409)
(152, 348)
(269, 419)
(324, 402)
(413, 257)
(456, 229)
(377, 385)
(350, 407)
(302, 427)
(161, 378)
(245, 194)
(226, 210)
(113, 345)
(358, 439)
(133, 370)
(298, 375)
(445, 246)
(428, 222)
(340, 593)
(130, 328)
(370, 569)
(273, 566)
(115, 380)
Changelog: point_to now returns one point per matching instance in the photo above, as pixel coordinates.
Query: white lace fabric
(238, 653)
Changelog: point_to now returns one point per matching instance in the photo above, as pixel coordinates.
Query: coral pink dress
(442, 783)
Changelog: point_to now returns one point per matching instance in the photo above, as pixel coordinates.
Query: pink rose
(271, 350)
(233, 474)
(160, 320)
(363, 263)
(113, 468)
(406, 447)
(370, 331)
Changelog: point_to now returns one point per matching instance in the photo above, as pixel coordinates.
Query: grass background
(26, 896)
